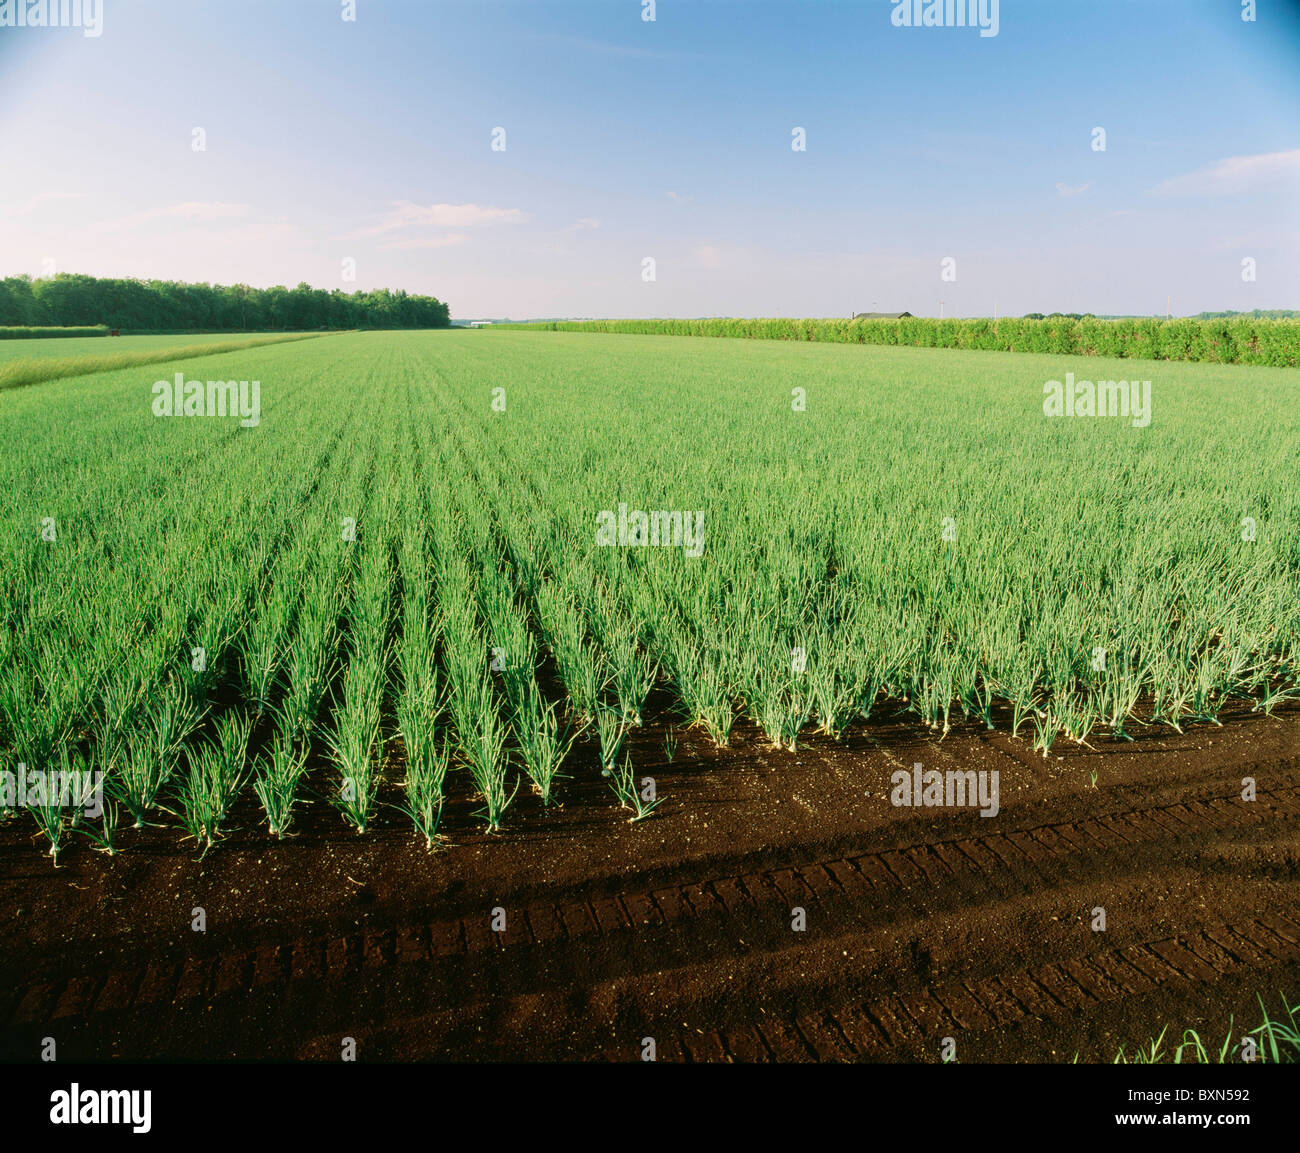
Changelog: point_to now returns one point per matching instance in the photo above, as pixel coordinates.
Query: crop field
(470, 624)
(1085, 574)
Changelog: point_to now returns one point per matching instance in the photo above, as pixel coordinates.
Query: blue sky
(370, 140)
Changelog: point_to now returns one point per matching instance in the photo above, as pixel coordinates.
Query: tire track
(907, 1025)
(696, 922)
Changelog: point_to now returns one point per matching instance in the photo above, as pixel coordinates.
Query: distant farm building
(880, 315)
(479, 323)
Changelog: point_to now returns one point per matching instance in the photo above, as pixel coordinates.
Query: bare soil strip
(919, 924)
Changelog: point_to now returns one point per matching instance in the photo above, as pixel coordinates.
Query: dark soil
(921, 924)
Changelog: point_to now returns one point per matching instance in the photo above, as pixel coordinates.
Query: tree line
(70, 299)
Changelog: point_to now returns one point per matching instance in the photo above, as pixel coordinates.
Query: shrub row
(1225, 341)
(31, 332)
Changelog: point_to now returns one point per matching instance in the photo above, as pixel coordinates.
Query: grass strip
(39, 370)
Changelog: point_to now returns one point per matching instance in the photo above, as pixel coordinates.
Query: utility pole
(941, 304)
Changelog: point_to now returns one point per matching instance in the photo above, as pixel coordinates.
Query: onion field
(441, 559)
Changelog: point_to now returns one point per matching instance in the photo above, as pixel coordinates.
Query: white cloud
(36, 201)
(583, 224)
(197, 211)
(445, 241)
(405, 215)
(708, 256)
(678, 198)
(1066, 191)
(191, 211)
(1234, 175)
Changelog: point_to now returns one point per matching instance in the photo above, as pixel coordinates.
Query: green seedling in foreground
(625, 789)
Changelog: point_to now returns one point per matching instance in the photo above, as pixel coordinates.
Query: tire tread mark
(995, 863)
(1051, 991)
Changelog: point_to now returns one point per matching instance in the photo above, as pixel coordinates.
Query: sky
(943, 170)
